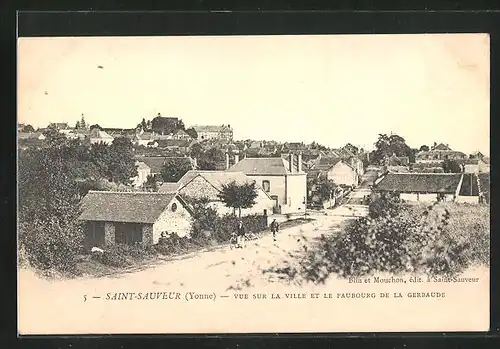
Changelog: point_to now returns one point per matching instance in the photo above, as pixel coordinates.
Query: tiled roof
(141, 165)
(169, 187)
(24, 135)
(145, 136)
(129, 207)
(326, 163)
(155, 163)
(441, 146)
(173, 143)
(262, 166)
(419, 182)
(96, 133)
(423, 154)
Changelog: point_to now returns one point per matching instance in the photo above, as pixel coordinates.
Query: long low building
(421, 186)
(131, 217)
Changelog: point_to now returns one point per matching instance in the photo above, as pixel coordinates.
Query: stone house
(474, 166)
(426, 187)
(335, 169)
(131, 217)
(206, 132)
(283, 180)
(208, 184)
(439, 152)
(181, 135)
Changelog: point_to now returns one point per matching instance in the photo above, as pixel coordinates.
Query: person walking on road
(240, 239)
(274, 228)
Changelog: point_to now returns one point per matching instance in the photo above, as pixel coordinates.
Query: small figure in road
(274, 228)
(240, 239)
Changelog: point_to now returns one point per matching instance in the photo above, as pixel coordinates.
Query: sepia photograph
(253, 184)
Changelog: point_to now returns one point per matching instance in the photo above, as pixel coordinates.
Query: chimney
(236, 158)
(227, 160)
(299, 161)
(290, 162)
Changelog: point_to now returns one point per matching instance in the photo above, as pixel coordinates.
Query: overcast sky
(330, 89)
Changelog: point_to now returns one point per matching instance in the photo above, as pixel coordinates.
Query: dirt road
(236, 295)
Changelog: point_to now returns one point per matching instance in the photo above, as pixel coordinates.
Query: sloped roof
(145, 136)
(169, 187)
(24, 135)
(398, 160)
(440, 152)
(155, 163)
(441, 146)
(127, 207)
(419, 182)
(96, 133)
(181, 133)
(173, 142)
(141, 165)
(325, 163)
(261, 166)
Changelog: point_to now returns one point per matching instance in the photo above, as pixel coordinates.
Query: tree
(165, 125)
(77, 125)
(211, 159)
(150, 184)
(96, 126)
(175, 168)
(353, 149)
(386, 146)
(121, 161)
(28, 128)
(53, 136)
(83, 123)
(196, 151)
(238, 196)
(192, 132)
(451, 166)
(424, 148)
(144, 124)
(321, 188)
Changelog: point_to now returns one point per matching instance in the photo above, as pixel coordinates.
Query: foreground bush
(50, 244)
(441, 239)
(121, 255)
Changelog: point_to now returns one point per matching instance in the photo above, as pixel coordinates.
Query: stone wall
(198, 188)
(147, 234)
(109, 233)
(177, 221)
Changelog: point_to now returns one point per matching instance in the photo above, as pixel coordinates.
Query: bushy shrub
(122, 255)
(50, 244)
(384, 204)
(173, 244)
(408, 239)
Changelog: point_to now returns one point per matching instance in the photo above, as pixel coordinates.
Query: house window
(174, 207)
(266, 186)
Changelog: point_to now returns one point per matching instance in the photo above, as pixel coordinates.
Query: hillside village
(173, 162)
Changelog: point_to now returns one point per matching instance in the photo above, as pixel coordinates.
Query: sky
(332, 89)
